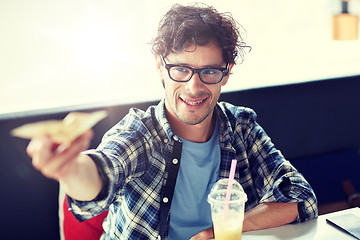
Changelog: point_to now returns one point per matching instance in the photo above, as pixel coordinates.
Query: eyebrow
(205, 66)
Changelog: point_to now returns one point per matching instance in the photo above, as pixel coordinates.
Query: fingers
(40, 149)
(65, 154)
(54, 160)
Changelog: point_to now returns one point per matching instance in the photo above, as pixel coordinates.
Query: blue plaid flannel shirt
(132, 161)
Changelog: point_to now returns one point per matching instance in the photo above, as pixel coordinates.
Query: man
(154, 169)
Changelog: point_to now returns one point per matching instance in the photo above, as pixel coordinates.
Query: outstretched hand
(55, 160)
(76, 172)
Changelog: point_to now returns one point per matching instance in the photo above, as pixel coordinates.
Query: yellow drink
(228, 233)
(228, 230)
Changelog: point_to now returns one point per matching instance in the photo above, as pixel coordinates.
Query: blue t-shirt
(199, 169)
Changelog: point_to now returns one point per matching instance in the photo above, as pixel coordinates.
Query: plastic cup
(227, 217)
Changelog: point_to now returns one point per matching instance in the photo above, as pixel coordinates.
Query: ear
(158, 65)
(226, 78)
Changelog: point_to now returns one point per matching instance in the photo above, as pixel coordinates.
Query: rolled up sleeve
(288, 185)
(276, 180)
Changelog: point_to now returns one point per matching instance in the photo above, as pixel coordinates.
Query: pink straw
(229, 188)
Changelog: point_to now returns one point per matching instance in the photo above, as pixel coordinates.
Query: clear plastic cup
(227, 222)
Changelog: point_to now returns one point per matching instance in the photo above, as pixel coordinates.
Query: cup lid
(218, 192)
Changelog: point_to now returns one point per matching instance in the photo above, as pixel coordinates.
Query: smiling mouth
(193, 103)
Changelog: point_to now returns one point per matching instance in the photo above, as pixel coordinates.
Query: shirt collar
(226, 132)
(163, 123)
(226, 128)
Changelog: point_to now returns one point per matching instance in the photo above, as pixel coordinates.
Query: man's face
(192, 102)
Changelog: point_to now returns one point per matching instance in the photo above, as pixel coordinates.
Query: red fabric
(88, 230)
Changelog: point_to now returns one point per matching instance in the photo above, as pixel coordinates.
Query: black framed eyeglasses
(209, 75)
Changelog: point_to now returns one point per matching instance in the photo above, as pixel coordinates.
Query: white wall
(59, 53)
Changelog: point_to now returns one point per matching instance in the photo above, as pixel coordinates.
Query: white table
(315, 229)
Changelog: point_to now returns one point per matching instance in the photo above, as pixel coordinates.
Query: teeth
(194, 103)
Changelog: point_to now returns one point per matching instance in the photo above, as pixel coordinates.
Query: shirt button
(166, 140)
(165, 200)
(175, 161)
(176, 138)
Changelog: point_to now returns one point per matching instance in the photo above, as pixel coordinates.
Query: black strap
(172, 169)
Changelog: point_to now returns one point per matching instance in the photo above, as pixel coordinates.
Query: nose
(195, 85)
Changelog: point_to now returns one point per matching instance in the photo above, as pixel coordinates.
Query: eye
(181, 69)
(210, 71)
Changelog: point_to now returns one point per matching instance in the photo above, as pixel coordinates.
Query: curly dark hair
(198, 24)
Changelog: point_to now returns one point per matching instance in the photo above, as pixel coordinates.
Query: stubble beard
(190, 120)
